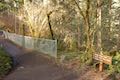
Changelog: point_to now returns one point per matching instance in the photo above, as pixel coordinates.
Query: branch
(101, 4)
(80, 10)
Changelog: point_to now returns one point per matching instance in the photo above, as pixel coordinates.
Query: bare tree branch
(80, 10)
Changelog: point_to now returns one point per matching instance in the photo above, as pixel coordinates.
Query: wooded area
(81, 27)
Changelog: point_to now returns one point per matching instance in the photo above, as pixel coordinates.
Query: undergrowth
(5, 62)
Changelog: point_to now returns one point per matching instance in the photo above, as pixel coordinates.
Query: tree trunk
(79, 35)
(87, 27)
(118, 42)
(23, 35)
(50, 27)
(110, 16)
(99, 41)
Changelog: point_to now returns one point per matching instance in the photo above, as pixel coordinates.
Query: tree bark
(79, 35)
(87, 23)
(118, 41)
(99, 41)
(110, 16)
(87, 27)
(50, 27)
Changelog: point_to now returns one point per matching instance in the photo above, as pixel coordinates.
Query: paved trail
(34, 65)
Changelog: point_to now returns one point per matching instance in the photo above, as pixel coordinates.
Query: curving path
(34, 65)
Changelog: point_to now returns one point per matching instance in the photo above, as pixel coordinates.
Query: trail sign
(103, 59)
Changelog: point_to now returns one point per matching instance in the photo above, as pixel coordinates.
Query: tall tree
(99, 41)
(110, 16)
(79, 35)
(50, 27)
(86, 18)
(118, 42)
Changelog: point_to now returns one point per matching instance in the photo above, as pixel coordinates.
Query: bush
(82, 57)
(115, 67)
(5, 62)
(116, 62)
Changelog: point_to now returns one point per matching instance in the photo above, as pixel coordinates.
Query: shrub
(115, 67)
(5, 62)
(116, 62)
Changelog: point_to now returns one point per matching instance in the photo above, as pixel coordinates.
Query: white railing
(42, 45)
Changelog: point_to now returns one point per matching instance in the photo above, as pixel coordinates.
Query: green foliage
(116, 62)
(5, 62)
(3, 6)
(115, 67)
(10, 4)
(73, 44)
(85, 58)
(82, 57)
(68, 56)
(71, 56)
(61, 45)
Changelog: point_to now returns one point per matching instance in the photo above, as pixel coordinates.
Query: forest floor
(36, 66)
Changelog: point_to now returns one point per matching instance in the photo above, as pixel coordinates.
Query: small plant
(5, 62)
